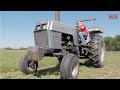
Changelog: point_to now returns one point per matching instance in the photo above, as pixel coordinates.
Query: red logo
(113, 16)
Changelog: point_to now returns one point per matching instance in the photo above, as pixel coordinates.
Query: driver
(83, 31)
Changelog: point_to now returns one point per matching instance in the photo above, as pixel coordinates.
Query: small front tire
(69, 68)
(28, 66)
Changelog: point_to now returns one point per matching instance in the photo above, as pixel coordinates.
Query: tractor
(53, 38)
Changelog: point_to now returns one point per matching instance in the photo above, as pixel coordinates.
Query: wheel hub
(31, 65)
(75, 69)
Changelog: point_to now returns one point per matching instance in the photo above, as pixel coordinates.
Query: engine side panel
(62, 28)
(56, 40)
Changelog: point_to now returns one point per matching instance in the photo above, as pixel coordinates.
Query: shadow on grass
(54, 70)
(48, 71)
(86, 64)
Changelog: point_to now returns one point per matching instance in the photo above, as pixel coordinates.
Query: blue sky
(16, 27)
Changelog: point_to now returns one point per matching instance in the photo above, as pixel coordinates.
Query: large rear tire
(28, 66)
(97, 52)
(69, 68)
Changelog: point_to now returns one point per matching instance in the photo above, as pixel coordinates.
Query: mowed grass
(9, 67)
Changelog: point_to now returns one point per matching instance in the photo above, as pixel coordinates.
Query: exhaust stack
(57, 16)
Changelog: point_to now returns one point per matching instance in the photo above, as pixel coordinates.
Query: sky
(17, 27)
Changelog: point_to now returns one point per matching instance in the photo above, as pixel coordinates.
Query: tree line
(9, 48)
(112, 43)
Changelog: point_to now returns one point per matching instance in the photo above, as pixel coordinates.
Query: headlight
(38, 28)
(44, 26)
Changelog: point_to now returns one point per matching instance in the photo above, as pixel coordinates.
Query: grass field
(9, 67)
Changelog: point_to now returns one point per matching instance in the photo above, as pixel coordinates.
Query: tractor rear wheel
(28, 66)
(69, 68)
(97, 52)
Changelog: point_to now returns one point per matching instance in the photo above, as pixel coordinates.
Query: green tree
(117, 38)
(109, 41)
(112, 44)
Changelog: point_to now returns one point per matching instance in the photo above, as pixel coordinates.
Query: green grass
(9, 67)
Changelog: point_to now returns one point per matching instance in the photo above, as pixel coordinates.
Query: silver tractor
(53, 38)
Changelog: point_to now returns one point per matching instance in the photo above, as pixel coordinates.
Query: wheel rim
(102, 52)
(32, 65)
(75, 69)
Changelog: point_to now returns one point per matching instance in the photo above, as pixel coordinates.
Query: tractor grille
(41, 38)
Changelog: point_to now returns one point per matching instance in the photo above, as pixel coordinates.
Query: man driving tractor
(83, 31)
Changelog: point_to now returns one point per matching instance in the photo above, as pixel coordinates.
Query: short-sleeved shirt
(84, 30)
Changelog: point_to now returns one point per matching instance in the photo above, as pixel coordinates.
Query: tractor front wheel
(69, 68)
(28, 66)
